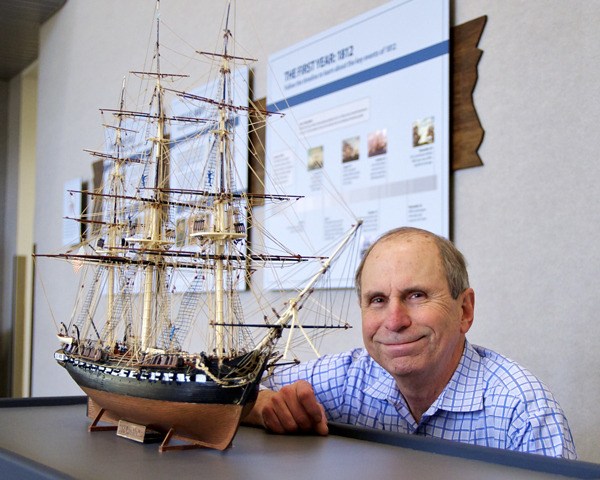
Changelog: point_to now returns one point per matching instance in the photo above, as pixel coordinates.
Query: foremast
(227, 230)
(225, 234)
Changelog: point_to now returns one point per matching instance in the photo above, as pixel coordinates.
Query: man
(418, 373)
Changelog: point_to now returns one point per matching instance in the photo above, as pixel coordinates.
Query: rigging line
(329, 185)
(190, 58)
(181, 39)
(200, 59)
(292, 325)
(247, 16)
(149, 48)
(43, 284)
(292, 216)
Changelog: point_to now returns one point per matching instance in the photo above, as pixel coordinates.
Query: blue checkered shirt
(490, 400)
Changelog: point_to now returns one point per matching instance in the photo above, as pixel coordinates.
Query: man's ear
(467, 299)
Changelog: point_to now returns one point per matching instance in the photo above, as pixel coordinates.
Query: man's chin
(401, 366)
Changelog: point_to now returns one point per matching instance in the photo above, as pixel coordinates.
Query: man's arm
(292, 409)
(545, 432)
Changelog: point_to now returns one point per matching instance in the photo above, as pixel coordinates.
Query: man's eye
(416, 295)
(377, 300)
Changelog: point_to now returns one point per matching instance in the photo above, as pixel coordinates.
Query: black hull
(155, 383)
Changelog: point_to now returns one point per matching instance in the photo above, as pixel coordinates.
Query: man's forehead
(416, 251)
(407, 262)
(410, 240)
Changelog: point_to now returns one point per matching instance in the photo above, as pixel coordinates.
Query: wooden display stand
(133, 431)
(172, 439)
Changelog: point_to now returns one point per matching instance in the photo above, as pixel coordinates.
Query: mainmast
(153, 275)
(223, 204)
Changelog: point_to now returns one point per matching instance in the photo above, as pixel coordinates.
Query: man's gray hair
(453, 262)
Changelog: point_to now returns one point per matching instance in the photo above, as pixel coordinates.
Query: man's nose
(398, 316)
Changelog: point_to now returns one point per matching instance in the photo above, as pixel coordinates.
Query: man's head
(453, 261)
(416, 306)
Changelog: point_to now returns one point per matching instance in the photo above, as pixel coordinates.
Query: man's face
(411, 324)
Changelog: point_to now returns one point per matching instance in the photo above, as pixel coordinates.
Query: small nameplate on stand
(137, 433)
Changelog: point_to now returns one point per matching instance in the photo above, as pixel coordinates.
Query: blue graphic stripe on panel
(409, 60)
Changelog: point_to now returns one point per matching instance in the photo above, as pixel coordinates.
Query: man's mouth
(403, 344)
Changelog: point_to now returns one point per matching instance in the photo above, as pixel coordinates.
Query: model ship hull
(192, 408)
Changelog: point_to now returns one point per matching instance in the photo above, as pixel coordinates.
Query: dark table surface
(48, 438)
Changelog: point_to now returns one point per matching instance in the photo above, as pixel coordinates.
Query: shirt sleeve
(543, 432)
(328, 376)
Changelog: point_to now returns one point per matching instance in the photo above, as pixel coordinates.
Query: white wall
(528, 219)
(525, 220)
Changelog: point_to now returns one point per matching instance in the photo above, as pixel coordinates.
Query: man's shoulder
(356, 357)
(504, 376)
(356, 364)
(500, 369)
(350, 362)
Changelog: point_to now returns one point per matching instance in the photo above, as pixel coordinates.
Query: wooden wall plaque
(466, 130)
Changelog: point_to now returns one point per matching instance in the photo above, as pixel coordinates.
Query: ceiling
(20, 22)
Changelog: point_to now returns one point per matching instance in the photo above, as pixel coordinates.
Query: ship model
(147, 277)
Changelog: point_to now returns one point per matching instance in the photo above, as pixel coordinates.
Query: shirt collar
(384, 387)
(463, 393)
